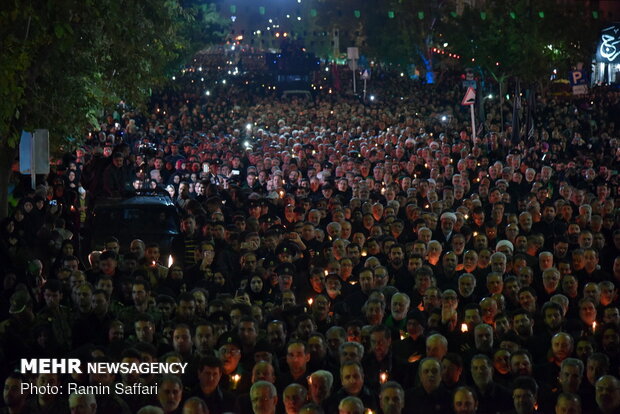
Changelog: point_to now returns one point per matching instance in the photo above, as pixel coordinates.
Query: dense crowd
(334, 256)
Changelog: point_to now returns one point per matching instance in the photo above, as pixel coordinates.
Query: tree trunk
(7, 156)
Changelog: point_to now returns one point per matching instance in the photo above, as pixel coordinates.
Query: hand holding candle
(235, 381)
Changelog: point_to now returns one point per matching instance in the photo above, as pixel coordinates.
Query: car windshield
(135, 220)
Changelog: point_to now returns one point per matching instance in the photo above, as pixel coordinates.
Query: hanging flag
(335, 76)
(529, 120)
(516, 108)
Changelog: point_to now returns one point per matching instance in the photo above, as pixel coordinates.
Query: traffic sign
(470, 97)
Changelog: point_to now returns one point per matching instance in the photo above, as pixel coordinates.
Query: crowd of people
(334, 256)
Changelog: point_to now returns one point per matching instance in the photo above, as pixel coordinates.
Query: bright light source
(490, 96)
(208, 93)
(288, 16)
(270, 21)
(326, 69)
(445, 44)
(372, 98)
(246, 144)
(174, 78)
(202, 79)
(248, 126)
(402, 74)
(444, 118)
(298, 18)
(200, 69)
(223, 81)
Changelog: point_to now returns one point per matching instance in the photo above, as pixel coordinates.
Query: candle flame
(593, 326)
(383, 377)
(310, 301)
(170, 260)
(414, 358)
(464, 327)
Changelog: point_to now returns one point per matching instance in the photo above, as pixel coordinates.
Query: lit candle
(464, 327)
(475, 233)
(594, 326)
(170, 260)
(364, 253)
(310, 301)
(403, 335)
(369, 411)
(414, 358)
(383, 377)
(235, 379)
(326, 272)
(353, 282)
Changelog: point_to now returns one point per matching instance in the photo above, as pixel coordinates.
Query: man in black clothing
(209, 374)
(430, 396)
(116, 177)
(185, 244)
(352, 379)
(493, 397)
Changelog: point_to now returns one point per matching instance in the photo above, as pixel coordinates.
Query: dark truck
(153, 218)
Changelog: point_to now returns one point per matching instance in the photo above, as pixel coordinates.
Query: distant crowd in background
(334, 256)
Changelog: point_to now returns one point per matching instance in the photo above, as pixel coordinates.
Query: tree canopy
(522, 38)
(63, 61)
